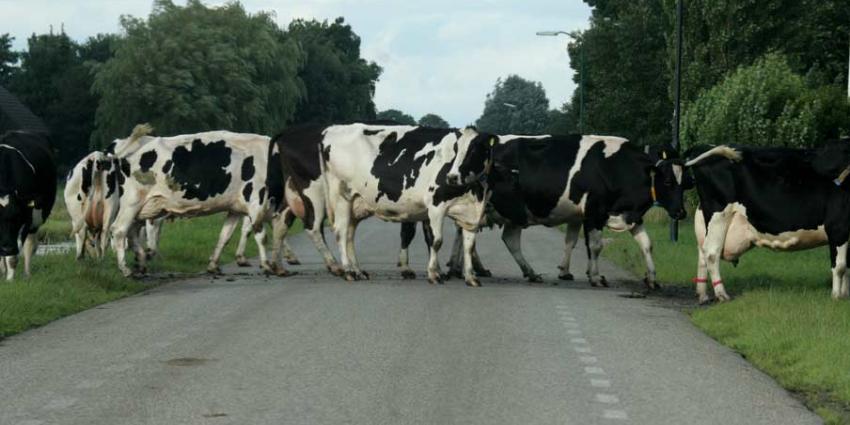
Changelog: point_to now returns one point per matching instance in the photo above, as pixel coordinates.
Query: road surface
(313, 349)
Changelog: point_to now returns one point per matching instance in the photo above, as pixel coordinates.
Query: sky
(438, 56)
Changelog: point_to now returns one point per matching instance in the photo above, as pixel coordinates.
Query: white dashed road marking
(594, 370)
(614, 414)
(30, 422)
(89, 384)
(588, 359)
(607, 398)
(600, 383)
(60, 403)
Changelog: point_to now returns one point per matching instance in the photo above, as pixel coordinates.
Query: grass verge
(781, 319)
(61, 286)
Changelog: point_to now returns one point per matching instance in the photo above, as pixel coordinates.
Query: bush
(766, 104)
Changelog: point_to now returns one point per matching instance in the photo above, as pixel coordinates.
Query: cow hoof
(458, 273)
(566, 276)
(435, 279)
(408, 274)
(483, 273)
(651, 285)
(534, 278)
(350, 276)
(150, 253)
(361, 275)
(214, 270)
(285, 273)
(292, 261)
(336, 270)
(242, 262)
(603, 281)
(705, 301)
(473, 282)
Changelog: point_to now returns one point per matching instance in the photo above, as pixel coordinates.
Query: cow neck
(21, 154)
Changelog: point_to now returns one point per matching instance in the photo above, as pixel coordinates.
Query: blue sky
(438, 56)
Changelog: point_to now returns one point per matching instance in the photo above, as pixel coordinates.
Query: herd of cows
(781, 198)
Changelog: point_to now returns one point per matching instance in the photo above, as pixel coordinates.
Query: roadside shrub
(766, 104)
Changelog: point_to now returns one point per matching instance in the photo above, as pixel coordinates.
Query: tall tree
(397, 116)
(195, 68)
(625, 66)
(339, 83)
(434, 121)
(8, 59)
(54, 81)
(515, 105)
(563, 121)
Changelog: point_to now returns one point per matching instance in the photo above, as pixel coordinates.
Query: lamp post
(581, 73)
(677, 108)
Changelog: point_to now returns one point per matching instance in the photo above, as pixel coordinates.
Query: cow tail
(587, 242)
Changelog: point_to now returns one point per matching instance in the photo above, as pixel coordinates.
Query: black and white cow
(590, 181)
(297, 189)
(405, 174)
(27, 194)
(768, 197)
(193, 175)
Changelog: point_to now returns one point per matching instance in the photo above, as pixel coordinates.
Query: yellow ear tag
(31, 204)
(652, 191)
(842, 177)
(664, 155)
(492, 141)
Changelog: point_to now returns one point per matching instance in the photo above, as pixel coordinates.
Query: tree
(563, 121)
(8, 59)
(766, 104)
(54, 81)
(193, 68)
(433, 120)
(397, 116)
(339, 83)
(515, 106)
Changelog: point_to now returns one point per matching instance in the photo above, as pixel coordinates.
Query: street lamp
(581, 73)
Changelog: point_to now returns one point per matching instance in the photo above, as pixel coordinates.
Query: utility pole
(677, 108)
(581, 73)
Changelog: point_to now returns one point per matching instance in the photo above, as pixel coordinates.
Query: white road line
(582, 349)
(607, 398)
(573, 331)
(60, 403)
(614, 414)
(570, 324)
(30, 422)
(578, 341)
(588, 359)
(594, 370)
(600, 383)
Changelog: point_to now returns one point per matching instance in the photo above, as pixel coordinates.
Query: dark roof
(15, 116)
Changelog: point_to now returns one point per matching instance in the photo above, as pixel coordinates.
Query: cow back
(29, 168)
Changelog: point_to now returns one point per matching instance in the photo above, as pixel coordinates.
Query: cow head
(14, 213)
(832, 160)
(669, 180)
(473, 157)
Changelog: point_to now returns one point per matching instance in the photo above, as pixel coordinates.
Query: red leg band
(715, 283)
(699, 280)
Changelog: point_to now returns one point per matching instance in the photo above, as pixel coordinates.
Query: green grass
(781, 318)
(61, 286)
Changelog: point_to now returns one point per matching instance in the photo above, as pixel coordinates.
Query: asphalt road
(313, 349)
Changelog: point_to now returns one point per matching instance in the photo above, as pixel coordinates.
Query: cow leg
(408, 231)
(594, 245)
(642, 238)
(224, 236)
(80, 242)
(260, 239)
(152, 230)
(241, 261)
(288, 253)
(712, 250)
(123, 224)
(342, 227)
(570, 240)
(468, 249)
(435, 218)
(11, 262)
(839, 268)
(512, 237)
(30, 244)
(137, 233)
(349, 243)
(455, 264)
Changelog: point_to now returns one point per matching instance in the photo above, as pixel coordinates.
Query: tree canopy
(339, 83)
(195, 68)
(8, 59)
(397, 116)
(433, 120)
(515, 106)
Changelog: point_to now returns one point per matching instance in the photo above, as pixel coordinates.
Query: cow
(27, 194)
(192, 175)
(768, 197)
(579, 180)
(403, 173)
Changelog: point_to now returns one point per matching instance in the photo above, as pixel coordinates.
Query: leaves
(397, 116)
(515, 106)
(434, 121)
